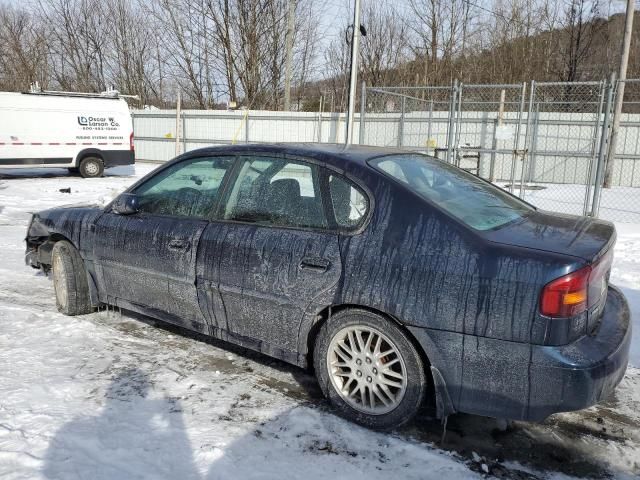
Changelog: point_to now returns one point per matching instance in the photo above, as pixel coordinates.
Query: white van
(85, 133)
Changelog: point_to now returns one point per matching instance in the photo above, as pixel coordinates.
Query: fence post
(363, 108)
(494, 144)
(533, 144)
(184, 133)
(452, 108)
(527, 136)
(177, 152)
(320, 119)
(597, 188)
(401, 124)
(456, 141)
(516, 142)
(591, 170)
(429, 125)
(246, 127)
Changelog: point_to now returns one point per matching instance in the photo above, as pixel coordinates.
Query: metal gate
(489, 131)
(564, 125)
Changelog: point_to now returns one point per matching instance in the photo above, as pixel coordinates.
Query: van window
(473, 201)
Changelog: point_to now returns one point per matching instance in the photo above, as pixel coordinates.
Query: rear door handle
(177, 244)
(315, 264)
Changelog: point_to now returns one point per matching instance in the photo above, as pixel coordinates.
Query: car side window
(278, 192)
(349, 203)
(186, 189)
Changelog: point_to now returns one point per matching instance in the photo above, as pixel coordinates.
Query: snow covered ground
(617, 204)
(112, 396)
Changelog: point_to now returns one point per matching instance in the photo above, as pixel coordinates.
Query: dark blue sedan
(396, 276)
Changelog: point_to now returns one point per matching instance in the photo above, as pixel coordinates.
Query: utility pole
(289, 60)
(622, 76)
(355, 44)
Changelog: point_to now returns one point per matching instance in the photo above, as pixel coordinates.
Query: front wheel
(91, 167)
(70, 280)
(369, 370)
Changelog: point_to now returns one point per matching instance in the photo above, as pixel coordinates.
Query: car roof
(331, 153)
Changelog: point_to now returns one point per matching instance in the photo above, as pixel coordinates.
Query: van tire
(91, 167)
(70, 280)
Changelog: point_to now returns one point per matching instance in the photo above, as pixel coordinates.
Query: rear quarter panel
(421, 266)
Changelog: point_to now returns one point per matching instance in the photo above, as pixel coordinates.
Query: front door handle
(178, 244)
(314, 263)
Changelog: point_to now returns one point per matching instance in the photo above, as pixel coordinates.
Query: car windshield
(475, 202)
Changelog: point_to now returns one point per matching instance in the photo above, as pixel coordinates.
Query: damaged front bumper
(38, 246)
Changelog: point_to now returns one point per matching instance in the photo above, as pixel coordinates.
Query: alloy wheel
(367, 369)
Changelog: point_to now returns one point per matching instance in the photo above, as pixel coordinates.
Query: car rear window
(473, 201)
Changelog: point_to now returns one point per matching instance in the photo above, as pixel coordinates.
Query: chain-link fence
(407, 117)
(564, 122)
(546, 142)
(488, 123)
(621, 201)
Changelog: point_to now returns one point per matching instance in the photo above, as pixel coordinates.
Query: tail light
(572, 294)
(131, 147)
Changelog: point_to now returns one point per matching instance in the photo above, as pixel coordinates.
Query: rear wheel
(369, 369)
(70, 280)
(91, 167)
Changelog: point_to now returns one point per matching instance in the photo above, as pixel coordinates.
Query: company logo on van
(97, 123)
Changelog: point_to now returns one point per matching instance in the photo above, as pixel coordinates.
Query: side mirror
(126, 204)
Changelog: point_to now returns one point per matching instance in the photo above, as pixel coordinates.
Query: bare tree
(77, 46)
(582, 26)
(384, 49)
(131, 62)
(23, 58)
(438, 27)
(216, 50)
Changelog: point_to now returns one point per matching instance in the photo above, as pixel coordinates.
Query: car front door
(271, 255)
(148, 259)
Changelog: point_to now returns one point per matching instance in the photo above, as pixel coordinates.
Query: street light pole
(355, 41)
(622, 76)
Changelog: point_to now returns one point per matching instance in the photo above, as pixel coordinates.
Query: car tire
(394, 384)
(70, 280)
(91, 167)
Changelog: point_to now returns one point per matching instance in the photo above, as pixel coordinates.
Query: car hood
(64, 209)
(56, 219)
(77, 205)
(583, 237)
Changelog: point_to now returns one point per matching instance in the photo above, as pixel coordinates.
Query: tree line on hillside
(213, 51)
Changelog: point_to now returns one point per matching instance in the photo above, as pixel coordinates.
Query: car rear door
(272, 254)
(149, 258)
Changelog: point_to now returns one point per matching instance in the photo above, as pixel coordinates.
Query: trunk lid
(583, 237)
(589, 239)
